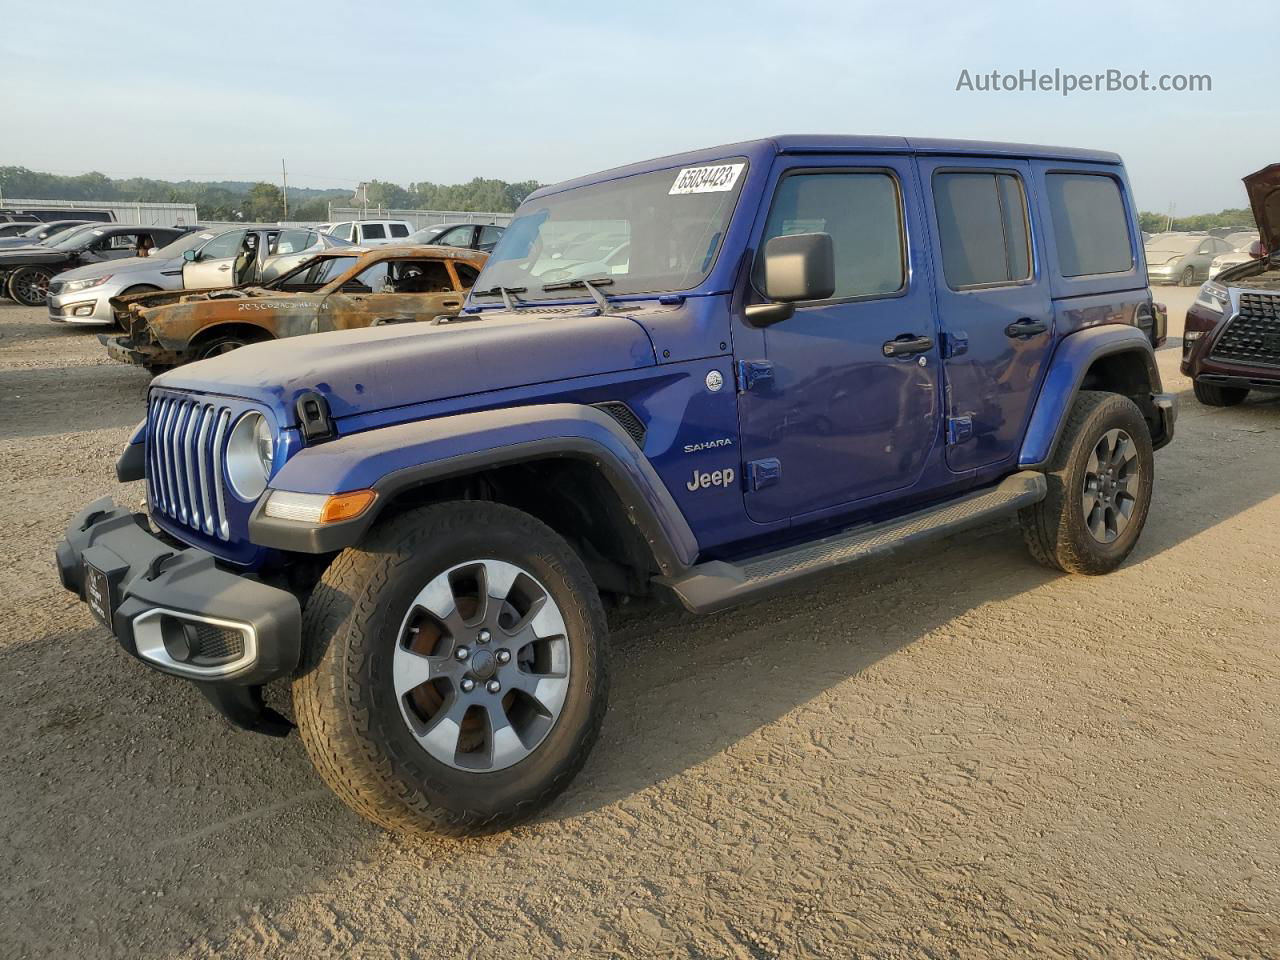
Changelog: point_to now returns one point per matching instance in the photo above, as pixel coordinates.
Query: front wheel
(1212, 395)
(455, 678)
(30, 286)
(1188, 277)
(1100, 482)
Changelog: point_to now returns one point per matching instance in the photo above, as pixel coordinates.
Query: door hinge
(959, 429)
(752, 372)
(764, 473)
(954, 343)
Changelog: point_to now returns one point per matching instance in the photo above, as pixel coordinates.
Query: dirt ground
(954, 753)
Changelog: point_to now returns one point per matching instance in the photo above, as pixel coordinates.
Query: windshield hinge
(752, 372)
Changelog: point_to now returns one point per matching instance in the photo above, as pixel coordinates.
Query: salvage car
(420, 525)
(473, 236)
(1244, 247)
(1182, 258)
(1231, 340)
(202, 259)
(345, 289)
(26, 271)
(370, 233)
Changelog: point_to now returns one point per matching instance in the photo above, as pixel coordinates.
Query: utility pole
(284, 187)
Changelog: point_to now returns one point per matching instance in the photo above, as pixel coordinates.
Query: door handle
(906, 345)
(451, 303)
(224, 267)
(1025, 328)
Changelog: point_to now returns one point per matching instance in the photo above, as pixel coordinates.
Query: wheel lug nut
(504, 656)
(467, 684)
(462, 653)
(493, 686)
(483, 636)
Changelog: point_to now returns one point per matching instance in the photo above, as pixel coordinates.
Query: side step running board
(715, 585)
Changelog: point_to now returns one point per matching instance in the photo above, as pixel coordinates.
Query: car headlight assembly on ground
(250, 456)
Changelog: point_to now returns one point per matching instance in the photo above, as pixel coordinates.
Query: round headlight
(250, 454)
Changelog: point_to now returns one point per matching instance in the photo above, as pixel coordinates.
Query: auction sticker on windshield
(706, 179)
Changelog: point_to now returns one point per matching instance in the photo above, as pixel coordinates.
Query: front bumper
(143, 355)
(175, 609)
(83, 307)
(1166, 407)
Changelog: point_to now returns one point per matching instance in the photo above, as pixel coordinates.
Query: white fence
(144, 214)
(419, 218)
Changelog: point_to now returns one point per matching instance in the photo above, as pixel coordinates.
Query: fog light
(84, 310)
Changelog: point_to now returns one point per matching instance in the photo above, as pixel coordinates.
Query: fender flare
(1067, 369)
(392, 459)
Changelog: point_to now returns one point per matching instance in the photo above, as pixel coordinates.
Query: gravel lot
(957, 753)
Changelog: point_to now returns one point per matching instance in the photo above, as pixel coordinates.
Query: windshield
(648, 233)
(188, 241)
(70, 237)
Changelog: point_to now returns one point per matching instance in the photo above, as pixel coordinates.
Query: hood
(363, 371)
(34, 254)
(114, 267)
(1263, 188)
(1158, 255)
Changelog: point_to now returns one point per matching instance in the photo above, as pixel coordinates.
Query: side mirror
(189, 256)
(797, 268)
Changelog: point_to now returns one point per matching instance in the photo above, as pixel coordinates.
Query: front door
(214, 262)
(392, 291)
(843, 404)
(993, 302)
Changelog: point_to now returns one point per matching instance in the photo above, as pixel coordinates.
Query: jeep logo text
(716, 478)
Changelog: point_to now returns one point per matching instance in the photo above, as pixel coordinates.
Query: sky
(411, 91)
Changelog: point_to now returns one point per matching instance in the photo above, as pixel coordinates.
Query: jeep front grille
(1253, 335)
(186, 440)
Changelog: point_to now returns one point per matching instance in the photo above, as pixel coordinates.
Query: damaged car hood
(1264, 197)
(363, 371)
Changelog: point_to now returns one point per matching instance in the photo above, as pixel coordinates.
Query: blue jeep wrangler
(703, 376)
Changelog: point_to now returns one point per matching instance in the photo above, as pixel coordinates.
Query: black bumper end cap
(244, 707)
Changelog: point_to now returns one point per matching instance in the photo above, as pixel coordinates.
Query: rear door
(993, 300)
(843, 406)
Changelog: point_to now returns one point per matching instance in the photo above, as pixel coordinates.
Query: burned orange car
(340, 290)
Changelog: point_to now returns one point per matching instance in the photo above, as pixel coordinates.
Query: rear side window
(372, 231)
(863, 214)
(398, 229)
(982, 227)
(1089, 224)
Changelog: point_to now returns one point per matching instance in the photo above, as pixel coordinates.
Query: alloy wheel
(1112, 483)
(481, 665)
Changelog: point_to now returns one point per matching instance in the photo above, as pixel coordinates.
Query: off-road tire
(1054, 529)
(344, 700)
(1212, 395)
(26, 284)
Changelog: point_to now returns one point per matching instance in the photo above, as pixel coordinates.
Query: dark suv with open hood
(1231, 344)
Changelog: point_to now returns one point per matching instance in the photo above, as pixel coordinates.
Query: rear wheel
(1212, 395)
(1100, 482)
(455, 677)
(30, 286)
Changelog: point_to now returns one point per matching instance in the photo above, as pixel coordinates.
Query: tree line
(263, 202)
(1159, 222)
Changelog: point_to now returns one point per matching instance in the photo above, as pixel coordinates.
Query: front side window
(342, 231)
(1089, 224)
(223, 246)
(982, 228)
(863, 214)
(489, 236)
(655, 232)
(457, 237)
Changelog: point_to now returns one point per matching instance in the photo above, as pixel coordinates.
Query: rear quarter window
(1089, 224)
(399, 230)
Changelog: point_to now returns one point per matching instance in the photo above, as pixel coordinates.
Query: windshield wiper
(589, 285)
(508, 300)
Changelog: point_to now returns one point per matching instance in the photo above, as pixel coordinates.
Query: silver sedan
(199, 260)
